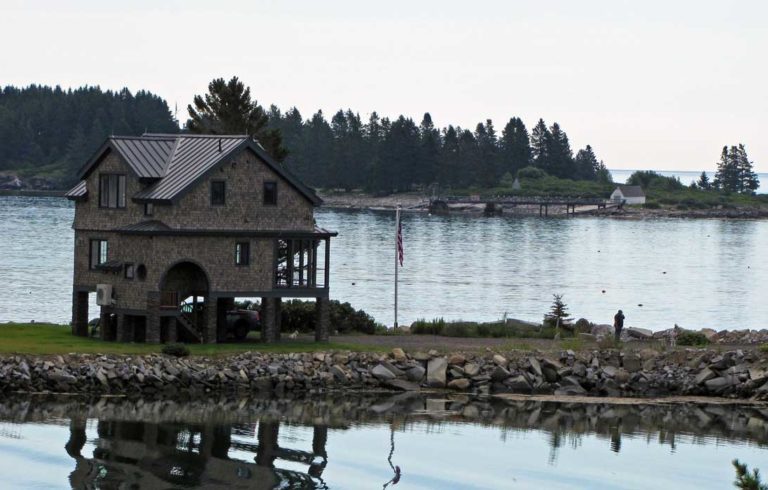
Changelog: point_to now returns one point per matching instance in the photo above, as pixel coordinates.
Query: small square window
(149, 209)
(218, 193)
(129, 271)
(242, 253)
(270, 193)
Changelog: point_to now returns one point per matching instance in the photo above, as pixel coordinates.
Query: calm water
(359, 443)
(696, 273)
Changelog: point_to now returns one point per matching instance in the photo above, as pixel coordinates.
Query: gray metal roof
(147, 157)
(77, 192)
(192, 158)
(631, 190)
(149, 225)
(178, 161)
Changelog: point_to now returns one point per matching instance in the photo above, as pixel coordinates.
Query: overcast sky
(649, 84)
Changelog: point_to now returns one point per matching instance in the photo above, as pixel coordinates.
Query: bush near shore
(500, 329)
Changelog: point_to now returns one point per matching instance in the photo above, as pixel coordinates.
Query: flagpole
(397, 254)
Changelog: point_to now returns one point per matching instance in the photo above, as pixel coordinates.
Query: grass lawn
(44, 338)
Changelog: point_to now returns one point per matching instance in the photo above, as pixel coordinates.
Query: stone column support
(210, 321)
(278, 317)
(322, 320)
(80, 313)
(124, 328)
(268, 320)
(170, 324)
(105, 325)
(152, 325)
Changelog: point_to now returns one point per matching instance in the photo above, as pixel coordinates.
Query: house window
(141, 272)
(149, 209)
(270, 193)
(111, 191)
(129, 271)
(98, 252)
(242, 253)
(218, 193)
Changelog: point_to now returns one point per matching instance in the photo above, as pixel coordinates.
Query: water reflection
(240, 443)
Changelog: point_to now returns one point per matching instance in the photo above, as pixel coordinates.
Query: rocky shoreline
(642, 373)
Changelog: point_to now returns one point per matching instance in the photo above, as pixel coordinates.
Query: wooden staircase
(186, 321)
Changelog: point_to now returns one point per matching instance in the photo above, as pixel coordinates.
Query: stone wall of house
(244, 175)
(215, 255)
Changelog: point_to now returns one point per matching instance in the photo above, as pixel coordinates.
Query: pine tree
(734, 171)
(559, 155)
(486, 170)
(587, 165)
(539, 146)
(429, 153)
(703, 182)
(748, 181)
(558, 313)
(227, 108)
(515, 147)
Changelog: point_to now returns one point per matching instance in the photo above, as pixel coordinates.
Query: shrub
(424, 327)
(582, 326)
(692, 338)
(532, 173)
(763, 348)
(460, 329)
(651, 205)
(176, 350)
(300, 315)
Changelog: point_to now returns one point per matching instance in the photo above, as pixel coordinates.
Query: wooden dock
(570, 203)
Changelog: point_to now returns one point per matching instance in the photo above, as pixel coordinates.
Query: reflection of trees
(196, 441)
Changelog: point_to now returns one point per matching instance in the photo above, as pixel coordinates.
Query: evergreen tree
(587, 165)
(734, 171)
(515, 147)
(487, 170)
(703, 182)
(429, 154)
(540, 138)
(227, 108)
(748, 181)
(559, 155)
(450, 159)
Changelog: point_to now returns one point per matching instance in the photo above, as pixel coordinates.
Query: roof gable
(631, 190)
(147, 157)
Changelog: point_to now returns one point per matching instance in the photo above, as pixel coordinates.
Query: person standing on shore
(618, 324)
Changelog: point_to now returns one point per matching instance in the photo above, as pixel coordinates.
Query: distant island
(49, 132)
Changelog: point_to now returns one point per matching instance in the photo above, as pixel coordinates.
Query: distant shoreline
(32, 193)
(416, 202)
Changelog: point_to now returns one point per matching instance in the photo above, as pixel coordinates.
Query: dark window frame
(149, 209)
(243, 253)
(105, 197)
(141, 272)
(105, 252)
(271, 193)
(129, 271)
(223, 193)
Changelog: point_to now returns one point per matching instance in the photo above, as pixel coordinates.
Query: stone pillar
(152, 325)
(267, 437)
(319, 440)
(80, 313)
(210, 321)
(105, 325)
(223, 306)
(268, 320)
(170, 324)
(322, 320)
(124, 328)
(278, 317)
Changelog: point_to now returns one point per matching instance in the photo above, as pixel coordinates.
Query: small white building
(629, 194)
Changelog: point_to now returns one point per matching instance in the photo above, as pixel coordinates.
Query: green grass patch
(50, 339)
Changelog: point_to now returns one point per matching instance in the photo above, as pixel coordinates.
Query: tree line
(385, 155)
(51, 132)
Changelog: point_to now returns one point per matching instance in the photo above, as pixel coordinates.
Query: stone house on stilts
(170, 229)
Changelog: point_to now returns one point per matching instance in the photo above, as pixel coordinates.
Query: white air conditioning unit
(104, 294)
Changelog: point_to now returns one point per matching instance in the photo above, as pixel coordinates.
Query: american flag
(399, 240)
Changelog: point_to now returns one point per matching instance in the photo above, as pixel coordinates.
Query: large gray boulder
(436, 372)
(416, 373)
(382, 373)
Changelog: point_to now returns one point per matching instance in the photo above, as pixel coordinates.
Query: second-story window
(149, 209)
(242, 253)
(218, 193)
(270, 193)
(98, 252)
(111, 191)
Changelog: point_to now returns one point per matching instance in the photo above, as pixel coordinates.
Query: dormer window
(111, 191)
(218, 193)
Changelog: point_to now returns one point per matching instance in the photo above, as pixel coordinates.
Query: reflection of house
(628, 194)
(169, 229)
(148, 455)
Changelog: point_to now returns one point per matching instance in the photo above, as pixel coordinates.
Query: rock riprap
(696, 372)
